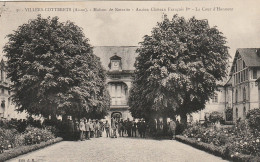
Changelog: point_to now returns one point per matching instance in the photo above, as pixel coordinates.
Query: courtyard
(118, 149)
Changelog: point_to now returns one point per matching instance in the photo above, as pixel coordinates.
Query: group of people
(87, 128)
(90, 128)
(132, 128)
(84, 129)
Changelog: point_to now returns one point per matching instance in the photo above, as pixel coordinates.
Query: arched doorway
(116, 115)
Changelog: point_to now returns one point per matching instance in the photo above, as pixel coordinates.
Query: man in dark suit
(134, 127)
(143, 128)
(139, 127)
(128, 127)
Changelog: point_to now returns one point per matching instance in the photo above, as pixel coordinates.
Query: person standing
(77, 131)
(114, 127)
(139, 127)
(97, 128)
(101, 127)
(120, 125)
(125, 127)
(143, 128)
(94, 127)
(82, 129)
(91, 128)
(129, 127)
(107, 128)
(87, 125)
(71, 129)
(172, 128)
(134, 127)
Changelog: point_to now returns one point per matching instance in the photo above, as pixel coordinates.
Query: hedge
(26, 149)
(217, 150)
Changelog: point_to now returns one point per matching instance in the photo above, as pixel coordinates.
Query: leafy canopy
(177, 68)
(54, 70)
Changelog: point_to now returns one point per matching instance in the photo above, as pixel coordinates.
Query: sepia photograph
(116, 81)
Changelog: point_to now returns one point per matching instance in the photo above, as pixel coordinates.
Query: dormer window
(115, 63)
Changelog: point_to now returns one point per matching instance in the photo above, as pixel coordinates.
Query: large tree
(54, 70)
(177, 68)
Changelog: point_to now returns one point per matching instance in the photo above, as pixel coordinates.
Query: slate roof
(250, 56)
(127, 54)
(115, 57)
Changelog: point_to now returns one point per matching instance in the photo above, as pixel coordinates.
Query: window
(236, 96)
(246, 74)
(215, 98)
(2, 75)
(236, 113)
(244, 112)
(244, 94)
(254, 73)
(244, 65)
(118, 93)
(3, 90)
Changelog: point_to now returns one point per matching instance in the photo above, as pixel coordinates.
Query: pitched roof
(251, 57)
(127, 54)
(115, 57)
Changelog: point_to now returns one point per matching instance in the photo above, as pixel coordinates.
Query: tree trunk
(157, 123)
(53, 119)
(165, 128)
(64, 118)
(183, 119)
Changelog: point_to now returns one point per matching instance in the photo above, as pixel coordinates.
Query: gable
(251, 57)
(126, 53)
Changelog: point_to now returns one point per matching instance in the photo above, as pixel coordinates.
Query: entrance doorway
(116, 115)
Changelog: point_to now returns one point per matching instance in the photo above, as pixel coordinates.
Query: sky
(238, 20)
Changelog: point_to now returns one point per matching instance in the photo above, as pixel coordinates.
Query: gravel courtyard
(118, 149)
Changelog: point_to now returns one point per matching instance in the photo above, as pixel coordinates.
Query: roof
(258, 80)
(3, 65)
(115, 57)
(229, 82)
(127, 54)
(251, 57)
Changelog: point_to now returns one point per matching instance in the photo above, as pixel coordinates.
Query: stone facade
(216, 103)
(7, 108)
(244, 74)
(119, 64)
(240, 93)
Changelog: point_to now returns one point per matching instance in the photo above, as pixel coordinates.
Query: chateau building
(119, 64)
(216, 103)
(7, 108)
(244, 82)
(240, 93)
